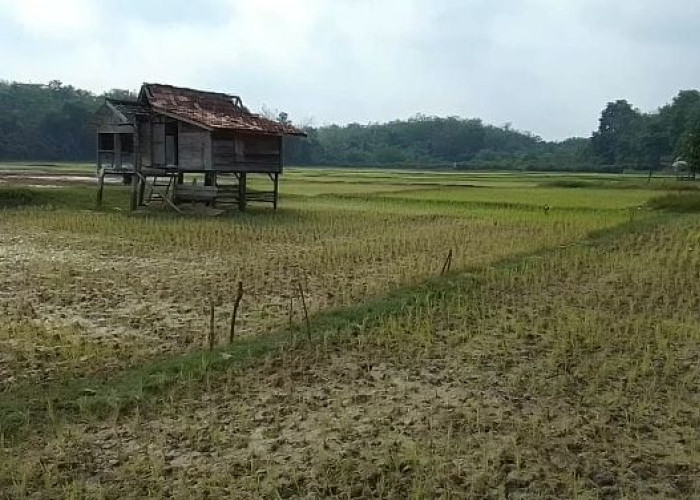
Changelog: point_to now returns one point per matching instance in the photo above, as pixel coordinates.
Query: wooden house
(169, 132)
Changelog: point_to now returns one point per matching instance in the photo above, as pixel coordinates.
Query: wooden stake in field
(448, 263)
(212, 333)
(306, 312)
(237, 303)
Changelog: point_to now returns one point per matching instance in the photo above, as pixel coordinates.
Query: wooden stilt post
(138, 166)
(100, 186)
(210, 179)
(277, 174)
(100, 171)
(136, 181)
(242, 191)
(142, 193)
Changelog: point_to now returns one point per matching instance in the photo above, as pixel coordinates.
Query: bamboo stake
(235, 312)
(306, 312)
(212, 336)
(447, 264)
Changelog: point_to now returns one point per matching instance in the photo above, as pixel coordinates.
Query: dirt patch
(32, 179)
(139, 288)
(561, 377)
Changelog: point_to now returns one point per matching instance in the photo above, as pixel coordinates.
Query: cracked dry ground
(571, 375)
(88, 294)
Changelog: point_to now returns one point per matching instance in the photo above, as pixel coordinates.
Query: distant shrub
(17, 197)
(677, 186)
(568, 183)
(677, 202)
(74, 197)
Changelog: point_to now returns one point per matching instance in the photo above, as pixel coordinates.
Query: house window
(106, 142)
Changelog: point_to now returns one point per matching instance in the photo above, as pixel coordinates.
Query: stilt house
(169, 132)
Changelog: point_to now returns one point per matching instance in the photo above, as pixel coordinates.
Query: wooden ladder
(227, 194)
(160, 188)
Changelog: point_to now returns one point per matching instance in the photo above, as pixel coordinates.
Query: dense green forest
(53, 122)
(440, 142)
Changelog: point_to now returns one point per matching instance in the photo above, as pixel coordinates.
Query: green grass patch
(72, 198)
(686, 202)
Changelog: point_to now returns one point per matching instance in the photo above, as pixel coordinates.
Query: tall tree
(689, 147)
(680, 116)
(614, 141)
(653, 143)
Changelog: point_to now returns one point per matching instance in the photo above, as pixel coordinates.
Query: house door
(171, 144)
(170, 150)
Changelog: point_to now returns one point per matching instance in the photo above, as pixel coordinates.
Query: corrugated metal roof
(212, 110)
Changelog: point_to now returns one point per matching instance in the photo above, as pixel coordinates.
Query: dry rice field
(557, 357)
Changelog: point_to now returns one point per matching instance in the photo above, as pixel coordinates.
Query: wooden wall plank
(159, 144)
(145, 143)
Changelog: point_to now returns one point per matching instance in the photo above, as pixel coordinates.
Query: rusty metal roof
(211, 110)
(128, 109)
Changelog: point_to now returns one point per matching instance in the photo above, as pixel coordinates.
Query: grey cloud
(548, 66)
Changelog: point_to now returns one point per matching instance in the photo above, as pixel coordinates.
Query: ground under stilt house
(179, 146)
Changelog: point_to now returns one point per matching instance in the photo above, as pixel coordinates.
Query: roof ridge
(122, 101)
(190, 89)
(210, 109)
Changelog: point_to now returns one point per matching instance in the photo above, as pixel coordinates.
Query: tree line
(54, 122)
(431, 141)
(648, 140)
(625, 139)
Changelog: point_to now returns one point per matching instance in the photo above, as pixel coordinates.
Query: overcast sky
(547, 66)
